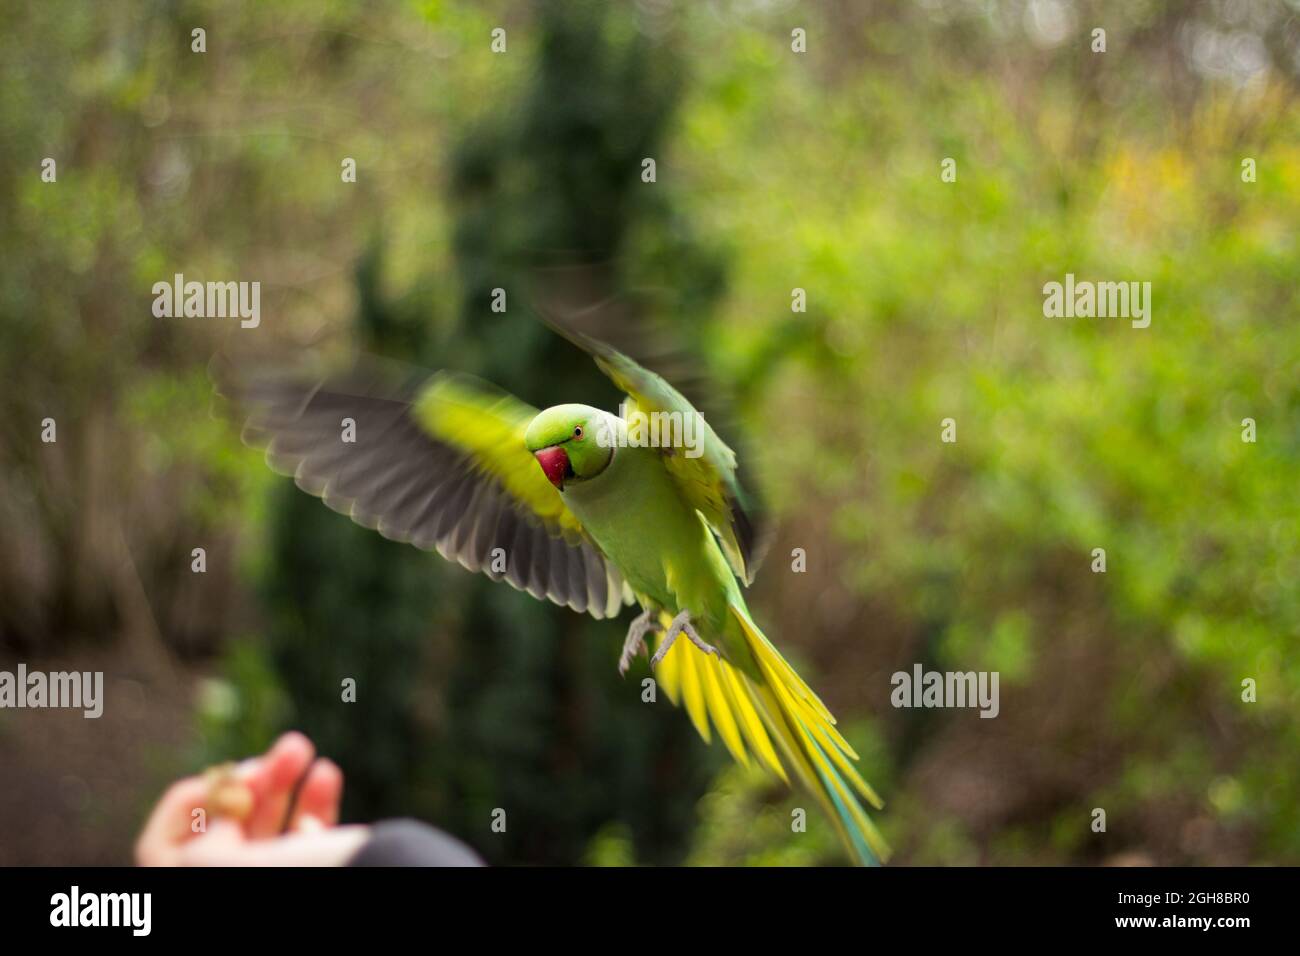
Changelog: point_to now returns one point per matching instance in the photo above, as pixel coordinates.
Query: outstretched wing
(708, 481)
(442, 466)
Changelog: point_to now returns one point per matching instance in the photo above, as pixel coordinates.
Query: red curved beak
(555, 463)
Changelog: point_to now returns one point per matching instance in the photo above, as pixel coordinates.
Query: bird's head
(570, 443)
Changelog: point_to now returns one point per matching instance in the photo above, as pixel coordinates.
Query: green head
(570, 443)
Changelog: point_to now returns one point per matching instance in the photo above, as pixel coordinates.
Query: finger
(267, 772)
(170, 823)
(275, 782)
(321, 793)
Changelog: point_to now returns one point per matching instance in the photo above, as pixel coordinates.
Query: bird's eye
(577, 432)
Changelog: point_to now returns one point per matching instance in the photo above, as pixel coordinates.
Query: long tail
(776, 712)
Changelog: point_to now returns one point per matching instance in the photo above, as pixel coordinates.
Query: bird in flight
(574, 505)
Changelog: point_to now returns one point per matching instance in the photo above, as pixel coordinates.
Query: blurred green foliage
(776, 171)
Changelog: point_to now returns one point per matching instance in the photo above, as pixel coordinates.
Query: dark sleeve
(412, 843)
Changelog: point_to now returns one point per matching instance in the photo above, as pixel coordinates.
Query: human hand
(250, 817)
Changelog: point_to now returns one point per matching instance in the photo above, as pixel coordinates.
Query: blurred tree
(530, 715)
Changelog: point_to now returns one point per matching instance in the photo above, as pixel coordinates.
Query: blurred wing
(444, 468)
(708, 482)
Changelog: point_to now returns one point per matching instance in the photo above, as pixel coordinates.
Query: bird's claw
(634, 643)
(681, 624)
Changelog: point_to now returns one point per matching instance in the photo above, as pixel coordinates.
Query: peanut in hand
(227, 795)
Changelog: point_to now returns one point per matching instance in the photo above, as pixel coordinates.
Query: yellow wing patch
(489, 425)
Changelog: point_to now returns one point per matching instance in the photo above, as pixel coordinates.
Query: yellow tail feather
(751, 715)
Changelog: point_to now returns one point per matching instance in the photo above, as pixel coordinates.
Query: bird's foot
(681, 625)
(641, 625)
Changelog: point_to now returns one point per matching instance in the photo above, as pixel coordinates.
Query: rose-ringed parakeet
(568, 505)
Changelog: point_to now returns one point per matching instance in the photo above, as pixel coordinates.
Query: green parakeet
(575, 505)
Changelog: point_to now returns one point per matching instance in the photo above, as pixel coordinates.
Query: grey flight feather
(401, 481)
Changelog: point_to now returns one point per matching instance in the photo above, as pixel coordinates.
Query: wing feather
(708, 482)
(442, 466)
